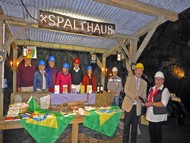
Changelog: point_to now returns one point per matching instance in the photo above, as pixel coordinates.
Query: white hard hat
(159, 74)
(114, 69)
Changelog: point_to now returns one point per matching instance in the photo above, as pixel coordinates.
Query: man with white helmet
(114, 86)
(156, 107)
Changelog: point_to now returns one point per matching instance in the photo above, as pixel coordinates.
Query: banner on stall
(59, 22)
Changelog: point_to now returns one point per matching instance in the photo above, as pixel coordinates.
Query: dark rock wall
(169, 48)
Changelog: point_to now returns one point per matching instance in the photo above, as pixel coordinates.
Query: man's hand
(149, 104)
(137, 98)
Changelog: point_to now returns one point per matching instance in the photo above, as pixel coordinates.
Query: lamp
(14, 64)
(24, 51)
(118, 56)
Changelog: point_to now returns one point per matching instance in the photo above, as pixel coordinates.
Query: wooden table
(102, 99)
(75, 123)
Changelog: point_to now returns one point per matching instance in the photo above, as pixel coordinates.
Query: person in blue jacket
(52, 72)
(40, 82)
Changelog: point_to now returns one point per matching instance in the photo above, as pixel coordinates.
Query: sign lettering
(60, 22)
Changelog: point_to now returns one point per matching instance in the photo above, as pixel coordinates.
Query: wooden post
(74, 136)
(103, 71)
(1, 78)
(15, 54)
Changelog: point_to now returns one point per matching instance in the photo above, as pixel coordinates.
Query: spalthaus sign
(68, 24)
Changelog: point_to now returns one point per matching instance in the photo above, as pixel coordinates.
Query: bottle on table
(98, 88)
(101, 88)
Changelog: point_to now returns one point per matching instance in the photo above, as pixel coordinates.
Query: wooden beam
(133, 48)
(22, 22)
(8, 30)
(15, 54)
(1, 72)
(60, 46)
(147, 27)
(20, 31)
(125, 50)
(103, 72)
(13, 44)
(111, 51)
(1, 79)
(145, 42)
(141, 8)
(100, 65)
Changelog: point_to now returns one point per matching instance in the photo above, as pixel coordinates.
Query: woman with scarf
(156, 108)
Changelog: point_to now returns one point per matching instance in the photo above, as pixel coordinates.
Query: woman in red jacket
(64, 78)
(89, 79)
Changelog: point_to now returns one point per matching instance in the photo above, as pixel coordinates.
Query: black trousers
(130, 118)
(155, 130)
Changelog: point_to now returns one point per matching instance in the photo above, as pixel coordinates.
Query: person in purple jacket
(25, 75)
(52, 72)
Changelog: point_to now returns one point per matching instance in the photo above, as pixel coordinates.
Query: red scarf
(152, 94)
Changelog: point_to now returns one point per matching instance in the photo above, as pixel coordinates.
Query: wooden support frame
(125, 50)
(8, 42)
(159, 20)
(102, 66)
(146, 39)
(112, 51)
(1, 79)
(61, 46)
(141, 8)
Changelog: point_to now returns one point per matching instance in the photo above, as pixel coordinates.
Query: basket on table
(22, 107)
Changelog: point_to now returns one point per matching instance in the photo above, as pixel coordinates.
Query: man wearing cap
(40, 82)
(135, 87)
(156, 107)
(89, 79)
(52, 72)
(64, 78)
(76, 74)
(114, 86)
(25, 75)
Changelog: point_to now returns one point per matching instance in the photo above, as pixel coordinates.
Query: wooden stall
(50, 22)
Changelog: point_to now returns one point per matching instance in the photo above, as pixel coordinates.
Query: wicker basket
(23, 107)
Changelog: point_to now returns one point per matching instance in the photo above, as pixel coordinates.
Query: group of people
(157, 100)
(45, 78)
(30, 79)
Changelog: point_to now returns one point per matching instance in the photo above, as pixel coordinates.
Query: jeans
(116, 101)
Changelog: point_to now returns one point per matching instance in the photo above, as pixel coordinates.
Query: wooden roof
(132, 19)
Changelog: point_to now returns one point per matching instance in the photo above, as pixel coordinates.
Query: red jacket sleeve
(85, 82)
(94, 84)
(57, 79)
(70, 81)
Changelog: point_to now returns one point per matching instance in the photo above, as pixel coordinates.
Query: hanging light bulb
(118, 56)
(24, 51)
